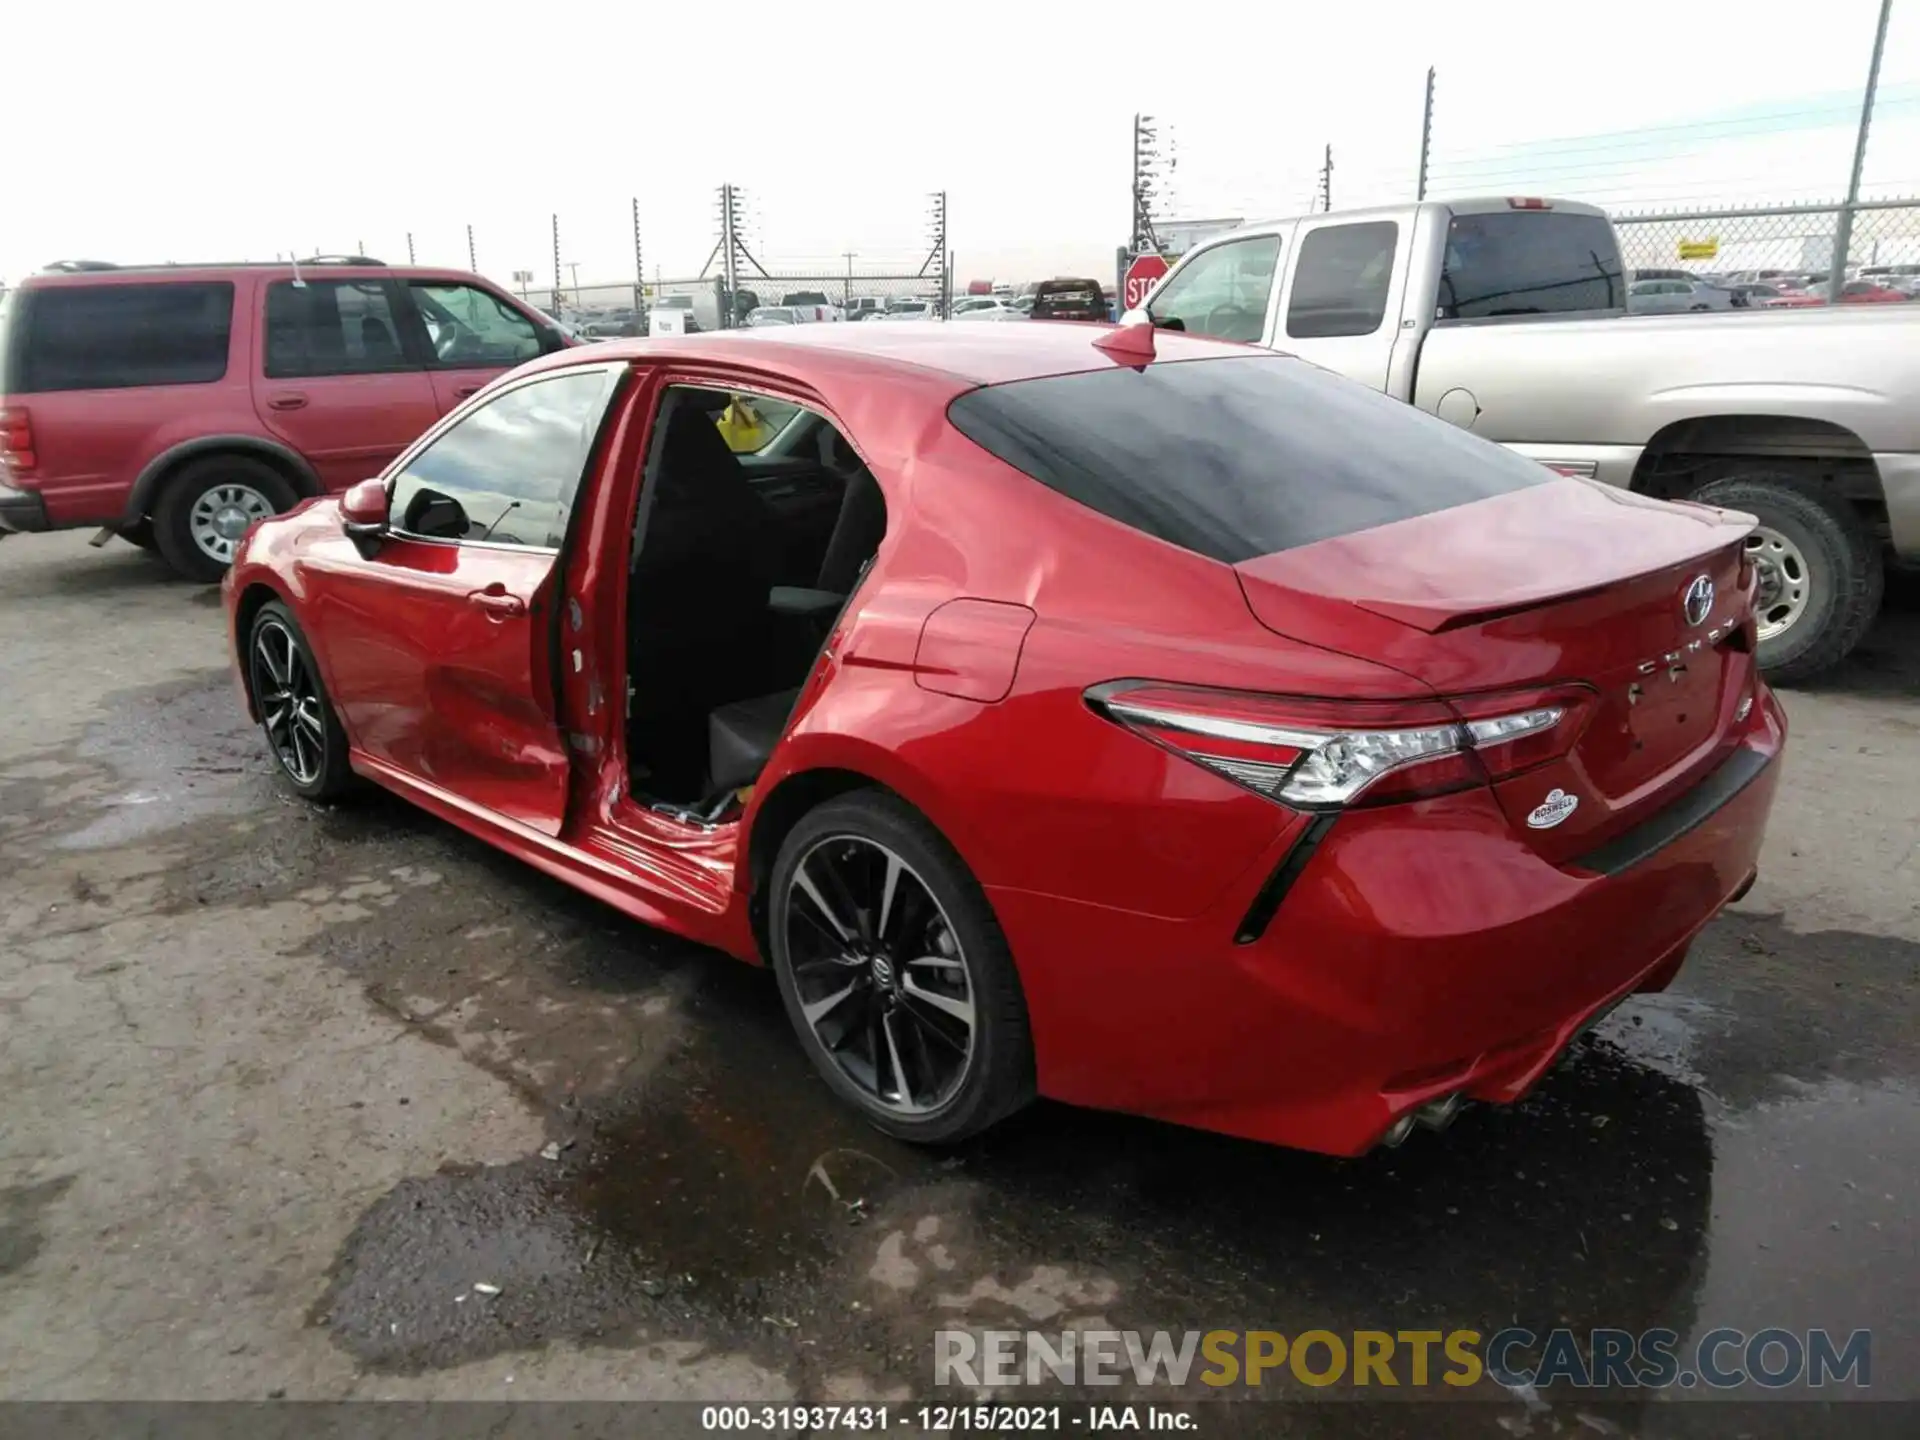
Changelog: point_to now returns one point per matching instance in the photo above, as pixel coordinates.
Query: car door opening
(755, 522)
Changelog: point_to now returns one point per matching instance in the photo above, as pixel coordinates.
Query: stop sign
(1142, 274)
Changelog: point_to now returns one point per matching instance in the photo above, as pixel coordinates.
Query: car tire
(848, 844)
(1811, 537)
(204, 509)
(284, 680)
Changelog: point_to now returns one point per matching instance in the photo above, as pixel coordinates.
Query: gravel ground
(340, 1104)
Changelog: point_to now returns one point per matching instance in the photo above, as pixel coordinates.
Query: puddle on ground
(1682, 1165)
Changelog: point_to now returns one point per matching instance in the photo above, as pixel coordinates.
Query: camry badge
(1552, 810)
(1697, 602)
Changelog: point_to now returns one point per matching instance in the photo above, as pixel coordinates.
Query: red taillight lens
(16, 439)
(1326, 754)
(1515, 730)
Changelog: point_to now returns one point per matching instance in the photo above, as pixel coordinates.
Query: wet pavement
(339, 1102)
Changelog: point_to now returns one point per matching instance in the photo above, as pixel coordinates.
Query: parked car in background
(1670, 297)
(1200, 736)
(176, 405)
(612, 324)
(1505, 316)
(767, 315)
(994, 309)
(1853, 292)
(1069, 299)
(1753, 292)
(816, 305)
(866, 306)
(966, 303)
(911, 310)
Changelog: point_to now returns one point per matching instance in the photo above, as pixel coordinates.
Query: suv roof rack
(81, 267)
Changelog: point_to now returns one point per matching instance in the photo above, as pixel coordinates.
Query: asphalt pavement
(338, 1103)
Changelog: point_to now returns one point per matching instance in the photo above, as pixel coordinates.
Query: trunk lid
(1566, 583)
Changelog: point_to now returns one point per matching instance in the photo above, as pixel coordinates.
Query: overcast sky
(197, 130)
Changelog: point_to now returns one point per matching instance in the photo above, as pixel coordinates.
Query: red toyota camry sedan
(1128, 718)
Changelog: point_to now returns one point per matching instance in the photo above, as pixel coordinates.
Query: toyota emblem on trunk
(1697, 602)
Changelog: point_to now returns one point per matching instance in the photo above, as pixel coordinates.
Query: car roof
(336, 270)
(966, 355)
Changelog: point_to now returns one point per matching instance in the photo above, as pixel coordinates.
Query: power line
(1847, 111)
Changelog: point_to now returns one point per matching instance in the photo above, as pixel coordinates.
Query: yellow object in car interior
(742, 428)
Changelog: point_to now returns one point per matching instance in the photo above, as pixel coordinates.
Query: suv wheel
(209, 505)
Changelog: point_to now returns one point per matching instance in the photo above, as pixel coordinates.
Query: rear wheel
(296, 716)
(1820, 572)
(209, 505)
(895, 974)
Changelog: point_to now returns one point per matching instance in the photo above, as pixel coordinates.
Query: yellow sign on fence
(1700, 249)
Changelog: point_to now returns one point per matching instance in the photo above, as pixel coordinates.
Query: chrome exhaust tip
(1438, 1114)
(1398, 1131)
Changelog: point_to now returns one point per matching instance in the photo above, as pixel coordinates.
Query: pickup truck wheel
(207, 507)
(1821, 575)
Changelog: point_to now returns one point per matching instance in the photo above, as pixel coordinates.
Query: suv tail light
(1327, 754)
(16, 440)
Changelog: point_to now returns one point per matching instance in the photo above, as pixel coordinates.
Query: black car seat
(741, 735)
(697, 619)
(862, 523)
(377, 345)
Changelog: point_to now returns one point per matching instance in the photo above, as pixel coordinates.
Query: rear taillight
(16, 440)
(1327, 754)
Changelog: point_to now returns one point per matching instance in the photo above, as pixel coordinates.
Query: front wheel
(895, 973)
(303, 733)
(206, 509)
(1820, 571)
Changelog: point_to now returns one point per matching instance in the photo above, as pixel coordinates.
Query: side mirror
(363, 510)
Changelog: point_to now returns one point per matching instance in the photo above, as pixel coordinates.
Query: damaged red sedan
(1191, 733)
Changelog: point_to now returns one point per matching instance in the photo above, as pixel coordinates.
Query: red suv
(176, 405)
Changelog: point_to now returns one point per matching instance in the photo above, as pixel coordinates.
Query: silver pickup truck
(1507, 317)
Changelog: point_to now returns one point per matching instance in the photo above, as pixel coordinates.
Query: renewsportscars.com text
(1722, 1359)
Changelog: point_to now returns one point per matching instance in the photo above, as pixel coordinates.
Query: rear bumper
(22, 512)
(1423, 950)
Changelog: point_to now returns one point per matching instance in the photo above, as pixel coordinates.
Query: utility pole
(1426, 140)
(730, 261)
(410, 247)
(1843, 232)
(846, 289)
(1326, 182)
(939, 260)
(556, 263)
(573, 268)
(472, 263)
(1146, 161)
(639, 271)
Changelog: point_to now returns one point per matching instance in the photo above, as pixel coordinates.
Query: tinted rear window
(1532, 263)
(112, 337)
(1063, 296)
(1237, 457)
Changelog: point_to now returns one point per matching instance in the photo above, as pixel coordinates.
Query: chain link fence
(1790, 240)
(624, 308)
